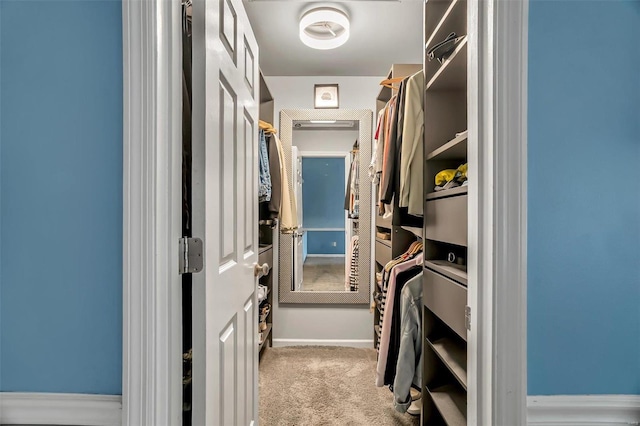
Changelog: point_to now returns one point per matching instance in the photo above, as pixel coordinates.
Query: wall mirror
(328, 259)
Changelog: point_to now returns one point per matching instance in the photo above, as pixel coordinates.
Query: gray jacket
(409, 367)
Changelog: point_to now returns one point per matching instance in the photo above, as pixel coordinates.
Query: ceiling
(382, 33)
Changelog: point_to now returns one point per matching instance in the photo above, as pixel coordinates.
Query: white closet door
(225, 214)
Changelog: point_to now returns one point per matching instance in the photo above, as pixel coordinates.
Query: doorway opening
(324, 233)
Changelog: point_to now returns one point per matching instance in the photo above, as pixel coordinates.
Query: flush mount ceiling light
(324, 28)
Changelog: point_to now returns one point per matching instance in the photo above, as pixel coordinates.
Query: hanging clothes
(351, 282)
(288, 209)
(384, 208)
(270, 210)
(354, 189)
(412, 152)
(264, 187)
(375, 167)
(403, 263)
(347, 195)
(409, 365)
(395, 330)
(392, 174)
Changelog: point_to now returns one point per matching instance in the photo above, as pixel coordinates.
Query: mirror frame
(365, 268)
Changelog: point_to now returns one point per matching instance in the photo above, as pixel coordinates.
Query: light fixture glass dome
(324, 28)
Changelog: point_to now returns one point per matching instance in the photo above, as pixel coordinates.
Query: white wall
(297, 92)
(300, 324)
(324, 140)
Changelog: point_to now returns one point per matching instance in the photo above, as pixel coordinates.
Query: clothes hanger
(267, 127)
(389, 82)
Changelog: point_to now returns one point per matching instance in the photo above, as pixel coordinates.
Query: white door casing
(225, 214)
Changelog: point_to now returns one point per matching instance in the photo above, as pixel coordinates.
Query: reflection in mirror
(327, 260)
(325, 166)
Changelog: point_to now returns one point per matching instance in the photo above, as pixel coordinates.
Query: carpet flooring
(323, 274)
(324, 386)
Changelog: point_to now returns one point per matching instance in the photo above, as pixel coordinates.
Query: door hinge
(190, 255)
(467, 317)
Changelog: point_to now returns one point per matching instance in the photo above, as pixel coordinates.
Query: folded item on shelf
(450, 178)
(383, 235)
(448, 185)
(445, 176)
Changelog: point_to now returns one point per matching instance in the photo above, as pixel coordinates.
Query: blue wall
(323, 194)
(321, 242)
(61, 196)
(584, 197)
(305, 247)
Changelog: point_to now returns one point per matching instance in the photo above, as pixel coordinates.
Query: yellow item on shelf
(448, 175)
(445, 176)
(462, 171)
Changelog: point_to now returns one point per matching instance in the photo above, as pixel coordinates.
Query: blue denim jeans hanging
(264, 187)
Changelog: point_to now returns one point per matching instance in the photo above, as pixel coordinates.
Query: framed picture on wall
(325, 96)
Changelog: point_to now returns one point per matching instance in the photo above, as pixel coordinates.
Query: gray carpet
(322, 386)
(323, 274)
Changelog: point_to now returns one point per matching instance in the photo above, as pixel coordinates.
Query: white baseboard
(17, 408)
(325, 255)
(583, 410)
(355, 343)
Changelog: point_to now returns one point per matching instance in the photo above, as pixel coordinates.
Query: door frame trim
(152, 163)
(497, 347)
(152, 194)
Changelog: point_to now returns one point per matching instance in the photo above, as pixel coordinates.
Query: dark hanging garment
(401, 216)
(393, 161)
(395, 335)
(276, 179)
(271, 209)
(347, 196)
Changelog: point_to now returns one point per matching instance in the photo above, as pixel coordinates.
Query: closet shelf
(460, 190)
(455, 149)
(415, 231)
(450, 270)
(451, 402)
(383, 223)
(454, 18)
(265, 248)
(265, 336)
(452, 74)
(454, 356)
(384, 242)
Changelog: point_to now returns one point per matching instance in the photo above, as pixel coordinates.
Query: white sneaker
(415, 394)
(415, 408)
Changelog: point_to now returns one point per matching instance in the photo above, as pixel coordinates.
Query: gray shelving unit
(268, 229)
(445, 279)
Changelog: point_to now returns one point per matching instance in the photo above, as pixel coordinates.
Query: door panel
(250, 176)
(227, 167)
(228, 28)
(225, 203)
(250, 368)
(229, 374)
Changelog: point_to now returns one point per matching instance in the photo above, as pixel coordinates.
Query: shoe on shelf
(415, 407)
(262, 293)
(415, 394)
